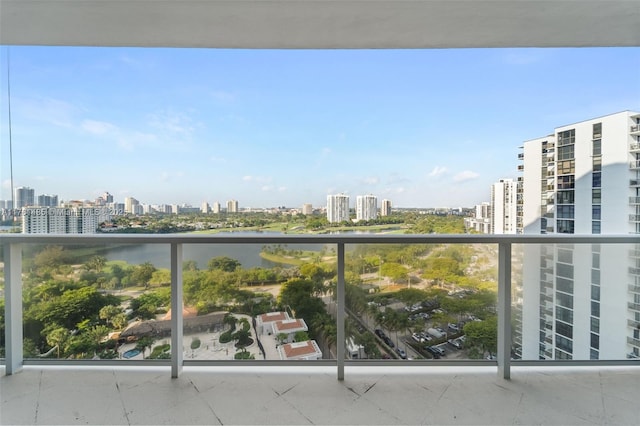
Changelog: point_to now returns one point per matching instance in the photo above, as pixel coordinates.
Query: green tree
(96, 263)
(58, 338)
(224, 263)
(142, 274)
(482, 335)
(395, 271)
(143, 343)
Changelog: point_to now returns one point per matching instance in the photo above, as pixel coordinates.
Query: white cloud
(282, 189)
(465, 176)
(267, 188)
(437, 171)
(97, 127)
(369, 180)
(247, 178)
(173, 122)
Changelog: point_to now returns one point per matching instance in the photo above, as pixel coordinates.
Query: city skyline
(272, 127)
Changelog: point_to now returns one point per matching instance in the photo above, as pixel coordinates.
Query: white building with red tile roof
(307, 350)
(289, 327)
(264, 322)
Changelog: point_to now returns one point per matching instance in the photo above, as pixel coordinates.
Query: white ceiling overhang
(319, 24)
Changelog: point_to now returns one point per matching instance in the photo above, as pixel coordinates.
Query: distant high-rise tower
(47, 200)
(24, 197)
(337, 208)
(503, 207)
(205, 208)
(581, 301)
(232, 206)
(129, 205)
(216, 208)
(307, 209)
(366, 207)
(385, 209)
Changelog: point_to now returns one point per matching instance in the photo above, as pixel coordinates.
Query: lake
(158, 254)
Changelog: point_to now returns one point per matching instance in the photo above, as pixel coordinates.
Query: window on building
(568, 137)
(564, 344)
(565, 255)
(597, 130)
(566, 182)
(596, 196)
(595, 325)
(565, 226)
(595, 227)
(565, 197)
(597, 147)
(595, 276)
(597, 164)
(595, 292)
(597, 179)
(564, 285)
(595, 212)
(564, 314)
(595, 341)
(565, 212)
(566, 152)
(564, 329)
(565, 300)
(595, 260)
(566, 167)
(563, 270)
(595, 309)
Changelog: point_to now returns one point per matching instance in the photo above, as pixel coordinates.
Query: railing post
(176, 310)
(13, 307)
(504, 310)
(340, 313)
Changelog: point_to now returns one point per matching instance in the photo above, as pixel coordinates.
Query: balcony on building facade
(634, 217)
(634, 147)
(634, 182)
(634, 200)
(521, 167)
(634, 288)
(634, 165)
(635, 129)
(521, 156)
(634, 306)
(13, 244)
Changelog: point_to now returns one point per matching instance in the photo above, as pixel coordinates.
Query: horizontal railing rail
(12, 250)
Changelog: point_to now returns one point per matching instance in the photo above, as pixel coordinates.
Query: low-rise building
(307, 350)
(264, 322)
(289, 327)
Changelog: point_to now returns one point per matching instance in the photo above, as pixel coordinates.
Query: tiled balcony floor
(312, 395)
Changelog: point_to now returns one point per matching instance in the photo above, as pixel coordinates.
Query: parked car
(454, 327)
(434, 353)
(426, 337)
(417, 337)
(455, 343)
(388, 341)
(436, 349)
(380, 333)
(401, 353)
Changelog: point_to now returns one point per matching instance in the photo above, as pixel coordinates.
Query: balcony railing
(635, 129)
(13, 267)
(634, 200)
(634, 165)
(634, 147)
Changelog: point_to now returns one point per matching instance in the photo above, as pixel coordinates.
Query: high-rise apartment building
(59, 220)
(307, 209)
(366, 207)
(503, 207)
(481, 220)
(581, 301)
(129, 205)
(232, 206)
(205, 208)
(47, 200)
(385, 208)
(216, 208)
(337, 208)
(24, 196)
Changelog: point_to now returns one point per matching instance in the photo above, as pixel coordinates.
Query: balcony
(634, 147)
(634, 165)
(258, 391)
(634, 217)
(635, 130)
(521, 167)
(634, 342)
(521, 156)
(634, 200)
(633, 288)
(634, 306)
(634, 182)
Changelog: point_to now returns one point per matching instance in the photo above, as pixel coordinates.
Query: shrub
(195, 343)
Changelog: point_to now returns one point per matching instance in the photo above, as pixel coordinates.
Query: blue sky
(285, 127)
